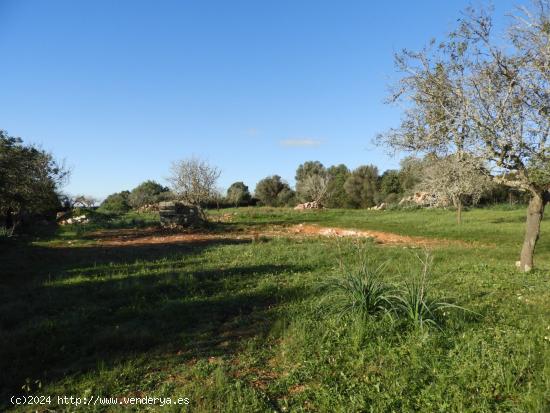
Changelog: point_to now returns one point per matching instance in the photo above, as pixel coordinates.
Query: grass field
(238, 321)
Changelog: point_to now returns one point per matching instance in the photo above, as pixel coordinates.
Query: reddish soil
(379, 236)
(148, 236)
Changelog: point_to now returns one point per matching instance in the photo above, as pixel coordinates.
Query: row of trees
(363, 187)
(194, 181)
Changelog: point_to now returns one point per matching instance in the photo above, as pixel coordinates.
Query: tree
(194, 181)
(315, 188)
(273, 191)
(29, 180)
(390, 183)
(410, 173)
(361, 186)
(116, 203)
(238, 194)
(146, 193)
(311, 181)
(338, 197)
(491, 101)
(460, 181)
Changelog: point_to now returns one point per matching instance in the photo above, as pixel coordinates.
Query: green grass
(234, 325)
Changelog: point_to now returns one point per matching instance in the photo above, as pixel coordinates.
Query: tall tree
(29, 180)
(338, 198)
(390, 183)
(362, 186)
(273, 191)
(238, 193)
(473, 95)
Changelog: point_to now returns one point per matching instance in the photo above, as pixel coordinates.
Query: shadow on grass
(53, 326)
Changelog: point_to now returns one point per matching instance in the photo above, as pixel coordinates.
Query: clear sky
(119, 89)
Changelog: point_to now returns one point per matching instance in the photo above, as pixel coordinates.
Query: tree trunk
(535, 212)
(9, 221)
(459, 211)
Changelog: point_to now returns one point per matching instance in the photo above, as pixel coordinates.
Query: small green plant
(415, 304)
(5, 233)
(361, 292)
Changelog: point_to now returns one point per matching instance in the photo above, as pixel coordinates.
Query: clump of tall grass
(362, 292)
(360, 289)
(365, 292)
(5, 233)
(415, 304)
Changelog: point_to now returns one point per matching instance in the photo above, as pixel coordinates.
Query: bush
(116, 203)
(148, 192)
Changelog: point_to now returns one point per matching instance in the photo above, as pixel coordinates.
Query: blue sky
(119, 89)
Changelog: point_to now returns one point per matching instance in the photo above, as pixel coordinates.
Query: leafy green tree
(273, 191)
(390, 183)
(287, 197)
(238, 194)
(29, 180)
(361, 186)
(338, 197)
(116, 203)
(148, 192)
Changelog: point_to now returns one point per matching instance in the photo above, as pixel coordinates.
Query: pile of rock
(419, 198)
(176, 214)
(81, 219)
(308, 205)
(148, 208)
(380, 207)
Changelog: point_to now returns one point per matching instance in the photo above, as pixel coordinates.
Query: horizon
(122, 90)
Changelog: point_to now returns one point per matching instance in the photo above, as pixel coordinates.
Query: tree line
(194, 181)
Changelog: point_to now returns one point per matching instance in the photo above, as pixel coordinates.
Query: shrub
(116, 203)
(148, 192)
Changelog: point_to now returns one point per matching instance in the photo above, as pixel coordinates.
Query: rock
(420, 198)
(177, 214)
(148, 208)
(308, 205)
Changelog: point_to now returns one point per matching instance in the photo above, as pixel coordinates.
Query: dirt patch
(378, 236)
(154, 235)
(151, 236)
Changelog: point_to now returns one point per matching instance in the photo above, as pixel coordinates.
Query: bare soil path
(148, 236)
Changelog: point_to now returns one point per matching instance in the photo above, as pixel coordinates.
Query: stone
(177, 214)
(308, 205)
